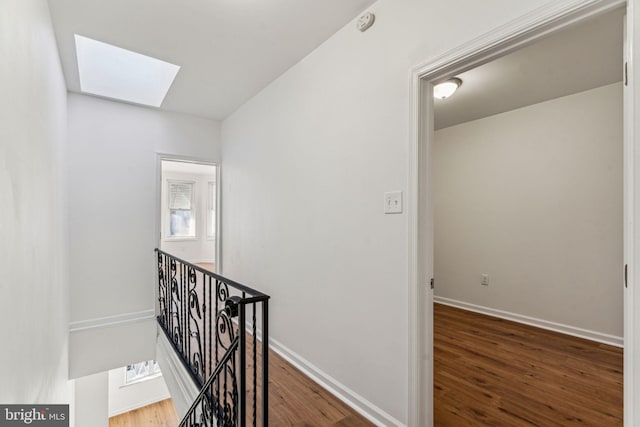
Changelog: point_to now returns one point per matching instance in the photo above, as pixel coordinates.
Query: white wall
(34, 307)
(533, 197)
(127, 397)
(92, 394)
(202, 248)
(99, 345)
(113, 186)
(305, 166)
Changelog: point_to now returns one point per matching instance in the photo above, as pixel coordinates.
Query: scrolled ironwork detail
(226, 330)
(196, 309)
(195, 345)
(162, 292)
(222, 291)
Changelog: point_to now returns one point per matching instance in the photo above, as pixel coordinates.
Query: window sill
(180, 239)
(141, 380)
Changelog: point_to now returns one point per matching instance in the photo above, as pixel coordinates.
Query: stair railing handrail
(202, 314)
(254, 293)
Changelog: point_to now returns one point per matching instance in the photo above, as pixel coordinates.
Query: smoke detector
(365, 21)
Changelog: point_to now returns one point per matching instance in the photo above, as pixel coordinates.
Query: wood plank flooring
(294, 400)
(493, 372)
(160, 414)
(207, 266)
(487, 371)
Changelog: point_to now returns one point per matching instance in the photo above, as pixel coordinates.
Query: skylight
(117, 73)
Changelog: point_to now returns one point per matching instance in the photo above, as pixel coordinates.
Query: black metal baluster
(265, 363)
(255, 363)
(216, 337)
(211, 332)
(242, 394)
(183, 306)
(224, 395)
(203, 339)
(169, 294)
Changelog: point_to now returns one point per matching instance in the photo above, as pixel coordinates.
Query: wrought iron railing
(214, 325)
(202, 411)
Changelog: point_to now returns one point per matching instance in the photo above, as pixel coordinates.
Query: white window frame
(194, 210)
(211, 206)
(153, 373)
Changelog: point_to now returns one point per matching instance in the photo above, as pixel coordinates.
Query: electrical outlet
(484, 281)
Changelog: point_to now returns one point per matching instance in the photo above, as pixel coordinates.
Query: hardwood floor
(294, 400)
(207, 266)
(493, 372)
(160, 414)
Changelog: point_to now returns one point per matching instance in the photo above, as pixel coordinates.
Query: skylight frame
(116, 73)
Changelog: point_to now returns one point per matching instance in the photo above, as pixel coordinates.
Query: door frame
(158, 194)
(539, 23)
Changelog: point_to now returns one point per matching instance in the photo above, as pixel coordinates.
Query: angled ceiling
(228, 50)
(580, 58)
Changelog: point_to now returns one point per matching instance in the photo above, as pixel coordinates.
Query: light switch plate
(393, 202)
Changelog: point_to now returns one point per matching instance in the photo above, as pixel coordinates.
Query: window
(182, 220)
(110, 71)
(211, 210)
(141, 371)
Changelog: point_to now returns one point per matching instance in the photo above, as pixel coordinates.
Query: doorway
(189, 206)
(521, 33)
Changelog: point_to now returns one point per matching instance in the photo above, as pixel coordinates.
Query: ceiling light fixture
(446, 89)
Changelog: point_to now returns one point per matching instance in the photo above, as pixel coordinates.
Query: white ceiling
(580, 58)
(228, 50)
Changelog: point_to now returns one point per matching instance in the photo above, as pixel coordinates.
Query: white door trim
(218, 255)
(631, 212)
(552, 17)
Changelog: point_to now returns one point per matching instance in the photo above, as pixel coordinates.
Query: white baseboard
(339, 390)
(348, 396)
(119, 319)
(532, 321)
(358, 403)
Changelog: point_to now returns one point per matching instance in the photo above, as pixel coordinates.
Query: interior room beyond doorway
(528, 217)
(188, 207)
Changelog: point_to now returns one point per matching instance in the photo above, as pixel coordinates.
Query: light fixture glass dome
(446, 89)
